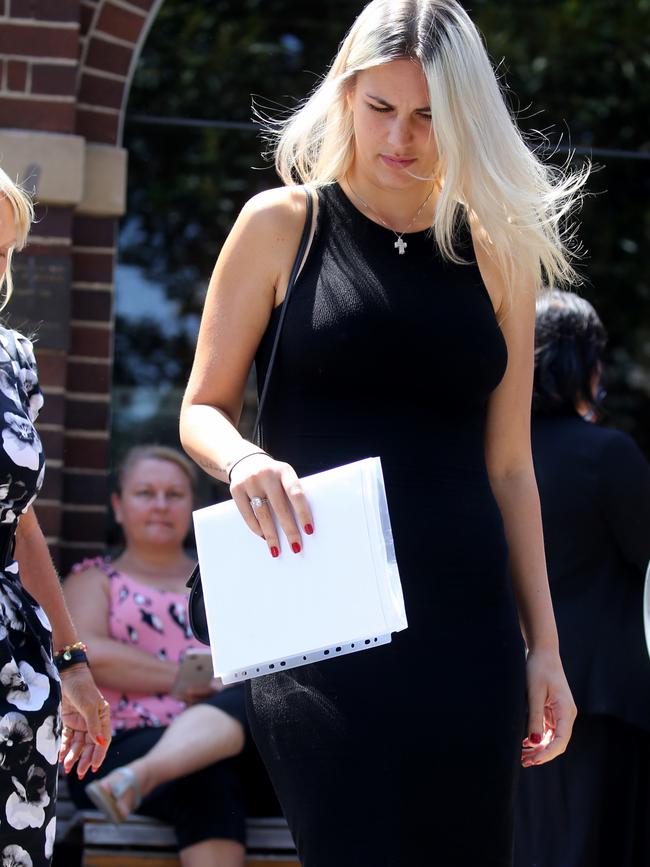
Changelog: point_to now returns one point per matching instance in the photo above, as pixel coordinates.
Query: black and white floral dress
(29, 683)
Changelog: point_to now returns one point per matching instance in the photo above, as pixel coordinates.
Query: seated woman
(170, 759)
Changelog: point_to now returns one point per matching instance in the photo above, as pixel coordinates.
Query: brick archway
(65, 73)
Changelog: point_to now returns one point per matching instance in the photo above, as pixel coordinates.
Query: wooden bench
(144, 842)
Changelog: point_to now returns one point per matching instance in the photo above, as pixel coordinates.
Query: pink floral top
(155, 621)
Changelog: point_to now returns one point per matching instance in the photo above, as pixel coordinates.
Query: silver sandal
(105, 797)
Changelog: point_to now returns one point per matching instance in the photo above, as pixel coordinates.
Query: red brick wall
(52, 236)
(66, 67)
(88, 384)
(39, 46)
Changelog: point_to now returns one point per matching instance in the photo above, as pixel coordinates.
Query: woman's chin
(167, 537)
(394, 177)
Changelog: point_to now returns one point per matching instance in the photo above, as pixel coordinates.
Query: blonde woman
(409, 336)
(33, 617)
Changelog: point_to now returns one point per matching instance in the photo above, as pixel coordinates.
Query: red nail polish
(275, 552)
(535, 738)
(101, 740)
(295, 547)
(309, 529)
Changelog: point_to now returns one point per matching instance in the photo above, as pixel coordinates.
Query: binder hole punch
(312, 656)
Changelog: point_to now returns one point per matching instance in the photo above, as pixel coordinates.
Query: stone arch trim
(112, 33)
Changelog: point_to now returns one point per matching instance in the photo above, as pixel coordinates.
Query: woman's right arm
(114, 664)
(249, 278)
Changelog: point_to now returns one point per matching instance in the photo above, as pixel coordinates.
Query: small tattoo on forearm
(207, 464)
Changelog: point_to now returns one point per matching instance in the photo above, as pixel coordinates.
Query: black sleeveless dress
(407, 753)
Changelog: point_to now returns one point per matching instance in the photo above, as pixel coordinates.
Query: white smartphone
(195, 669)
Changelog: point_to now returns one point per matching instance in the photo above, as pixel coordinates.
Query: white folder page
(340, 594)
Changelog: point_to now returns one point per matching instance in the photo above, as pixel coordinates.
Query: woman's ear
(596, 376)
(116, 504)
(350, 85)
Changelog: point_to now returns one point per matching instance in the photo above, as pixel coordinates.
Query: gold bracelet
(68, 649)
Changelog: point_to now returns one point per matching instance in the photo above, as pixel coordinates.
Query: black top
(371, 336)
(594, 485)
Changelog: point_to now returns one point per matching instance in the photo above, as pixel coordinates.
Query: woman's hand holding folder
(268, 493)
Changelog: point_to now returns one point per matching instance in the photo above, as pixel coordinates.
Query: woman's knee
(218, 723)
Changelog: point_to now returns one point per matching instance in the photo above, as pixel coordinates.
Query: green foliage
(205, 61)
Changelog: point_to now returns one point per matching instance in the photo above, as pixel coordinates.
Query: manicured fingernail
(101, 740)
(275, 552)
(295, 547)
(535, 738)
(309, 529)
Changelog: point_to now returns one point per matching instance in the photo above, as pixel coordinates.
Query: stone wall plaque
(40, 303)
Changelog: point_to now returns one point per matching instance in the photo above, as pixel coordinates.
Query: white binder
(341, 594)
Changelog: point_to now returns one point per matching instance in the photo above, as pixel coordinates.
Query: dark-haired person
(591, 807)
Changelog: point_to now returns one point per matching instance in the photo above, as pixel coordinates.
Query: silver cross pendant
(401, 245)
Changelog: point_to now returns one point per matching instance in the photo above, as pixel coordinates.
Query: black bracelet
(249, 455)
(70, 658)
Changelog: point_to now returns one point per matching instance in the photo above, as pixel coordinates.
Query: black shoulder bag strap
(196, 603)
(300, 255)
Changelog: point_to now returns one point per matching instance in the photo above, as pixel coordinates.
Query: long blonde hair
(487, 171)
(23, 211)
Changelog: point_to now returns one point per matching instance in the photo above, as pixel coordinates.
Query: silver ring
(258, 502)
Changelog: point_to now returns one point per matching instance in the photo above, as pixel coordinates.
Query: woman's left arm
(87, 731)
(39, 578)
(551, 709)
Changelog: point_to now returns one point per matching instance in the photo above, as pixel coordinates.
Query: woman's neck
(154, 562)
(396, 207)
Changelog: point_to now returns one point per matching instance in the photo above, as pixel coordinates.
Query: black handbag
(196, 603)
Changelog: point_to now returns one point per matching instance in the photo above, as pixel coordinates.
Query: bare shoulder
(270, 223)
(279, 211)
(86, 580)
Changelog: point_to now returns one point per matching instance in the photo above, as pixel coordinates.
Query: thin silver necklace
(400, 244)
